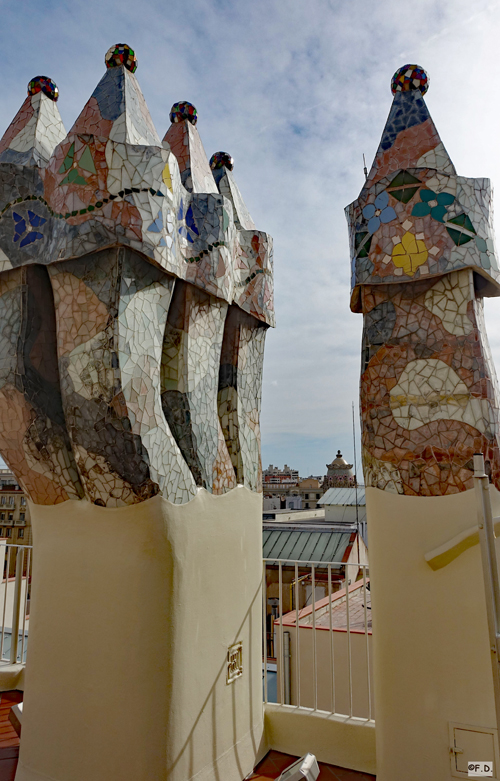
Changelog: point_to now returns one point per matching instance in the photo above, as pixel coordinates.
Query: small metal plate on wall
(234, 662)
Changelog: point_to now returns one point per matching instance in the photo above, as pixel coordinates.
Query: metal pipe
(490, 571)
(305, 563)
(16, 608)
(264, 627)
(286, 666)
(330, 626)
(7, 566)
(368, 683)
(315, 666)
(348, 625)
(25, 602)
(297, 635)
(280, 651)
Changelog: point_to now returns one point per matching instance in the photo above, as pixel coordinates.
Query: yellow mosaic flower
(167, 177)
(409, 254)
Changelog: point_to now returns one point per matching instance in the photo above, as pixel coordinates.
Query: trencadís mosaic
(423, 258)
(135, 294)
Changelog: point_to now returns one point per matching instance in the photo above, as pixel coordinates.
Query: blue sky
(296, 91)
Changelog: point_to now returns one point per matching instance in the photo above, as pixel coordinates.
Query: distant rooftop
(294, 516)
(306, 545)
(339, 611)
(345, 497)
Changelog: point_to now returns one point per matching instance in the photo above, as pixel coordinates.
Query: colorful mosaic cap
(410, 77)
(121, 54)
(221, 160)
(183, 110)
(45, 85)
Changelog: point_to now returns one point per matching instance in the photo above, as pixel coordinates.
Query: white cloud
(297, 92)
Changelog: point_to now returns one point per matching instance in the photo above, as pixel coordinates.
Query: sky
(296, 91)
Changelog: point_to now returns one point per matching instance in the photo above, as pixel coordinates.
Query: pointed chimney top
(121, 54)
(117, 109)
(183, 110)
(409, 78)
(45, 85)
(221, 164)
(221, 160)
(36, 129)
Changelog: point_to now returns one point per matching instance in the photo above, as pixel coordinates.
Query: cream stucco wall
(430, 638)
(334, 739)
(133, 611)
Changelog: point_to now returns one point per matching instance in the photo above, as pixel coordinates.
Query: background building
(339, 473)
(284, 489)
(346, 505)
(15, 522)
(275, 476)
(300, 495)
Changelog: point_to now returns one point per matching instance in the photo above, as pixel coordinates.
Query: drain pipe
(286, 666)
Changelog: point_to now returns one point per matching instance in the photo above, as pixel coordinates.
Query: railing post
(286, 665)
(315, 666)
(264, 626)
(490, 571)
(16, 607)
(297, 636)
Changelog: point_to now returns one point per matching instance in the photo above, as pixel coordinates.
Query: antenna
(355, 474)
(365, 169)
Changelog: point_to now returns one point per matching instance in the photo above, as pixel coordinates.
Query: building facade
(295, 493)
(298, 495)
(15, 522)
(273, 475)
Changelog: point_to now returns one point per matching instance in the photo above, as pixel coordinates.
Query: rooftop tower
(423, 259)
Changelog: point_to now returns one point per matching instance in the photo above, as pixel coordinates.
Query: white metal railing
(317, 636)
(15, 586)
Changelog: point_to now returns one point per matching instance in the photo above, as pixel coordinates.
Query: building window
(8, 532)
(23, 500)
(317, 496)
(20, 534)
(11, 500)
(22, 516)
(10, 516)
(2, 516)
(306, 496)
(307, 505)
(2, 500)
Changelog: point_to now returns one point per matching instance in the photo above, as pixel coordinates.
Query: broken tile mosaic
(45, 85)
(183, 110)
(423, 259)
(135, 294)
(221, 160)
(410, 77)
(121, 54)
